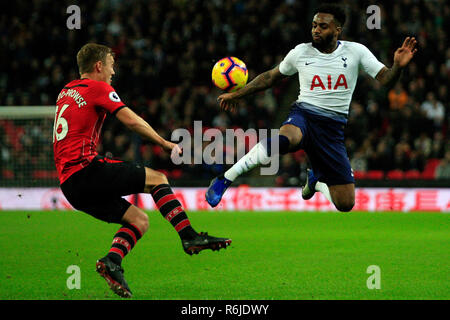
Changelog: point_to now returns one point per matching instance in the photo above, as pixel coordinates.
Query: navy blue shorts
(323, 142)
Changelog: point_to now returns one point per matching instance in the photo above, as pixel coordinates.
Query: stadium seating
(395, 175)
(375, 174)
(359, 174)
(7, 174)
(430, 169)
(412, 174)
(45, 174)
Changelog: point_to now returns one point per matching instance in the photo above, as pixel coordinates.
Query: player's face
(324, 29)
(108, 69)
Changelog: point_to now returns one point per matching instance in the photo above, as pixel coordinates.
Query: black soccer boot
(113, 274)
(203, 241)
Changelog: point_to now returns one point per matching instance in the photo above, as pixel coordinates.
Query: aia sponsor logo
(317, 82)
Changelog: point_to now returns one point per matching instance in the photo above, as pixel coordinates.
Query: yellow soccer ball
(229, 74)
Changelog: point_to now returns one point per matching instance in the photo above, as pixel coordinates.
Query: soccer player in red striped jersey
(95, 184)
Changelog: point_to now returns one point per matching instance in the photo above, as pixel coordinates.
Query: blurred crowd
(165, 51)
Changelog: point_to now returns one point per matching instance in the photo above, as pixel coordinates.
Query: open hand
(228, 102)
(405, 53)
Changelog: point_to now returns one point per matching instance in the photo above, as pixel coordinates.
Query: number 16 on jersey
(60, 122)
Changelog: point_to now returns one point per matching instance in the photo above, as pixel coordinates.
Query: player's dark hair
(89, 54)
(337, 11)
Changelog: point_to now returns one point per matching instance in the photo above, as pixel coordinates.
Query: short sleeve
(368, 61)
(108, 99)
(287, 66)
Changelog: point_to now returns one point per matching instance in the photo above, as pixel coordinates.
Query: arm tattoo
(261, 82)
(390, 76)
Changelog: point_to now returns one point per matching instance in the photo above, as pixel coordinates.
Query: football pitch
(274, 255)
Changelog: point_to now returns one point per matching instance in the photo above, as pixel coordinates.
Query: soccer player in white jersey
(327, 70)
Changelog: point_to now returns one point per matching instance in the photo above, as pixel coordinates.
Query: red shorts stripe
(165, 199)
(130, 232)
(183, 224)
(118, 251)
(108, 160)
(172, 214)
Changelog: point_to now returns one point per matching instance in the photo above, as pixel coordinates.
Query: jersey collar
(339, 45)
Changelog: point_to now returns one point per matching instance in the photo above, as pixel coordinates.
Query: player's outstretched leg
(113, 274)
(259, 155)
(309, 189)
(172, 210)
(255, 157)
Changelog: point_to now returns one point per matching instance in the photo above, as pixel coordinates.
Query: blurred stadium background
(165, 51)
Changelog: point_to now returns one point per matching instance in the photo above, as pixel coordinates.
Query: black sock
(172, 210)
(283, 145)
(124, 240)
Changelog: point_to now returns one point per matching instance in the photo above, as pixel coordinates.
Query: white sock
(255, 157)
(323, 188)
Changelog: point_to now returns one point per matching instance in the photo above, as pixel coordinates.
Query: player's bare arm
(135, 123)
(402, 56)
(265, 80)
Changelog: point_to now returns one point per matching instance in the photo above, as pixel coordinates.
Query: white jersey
(327, 80)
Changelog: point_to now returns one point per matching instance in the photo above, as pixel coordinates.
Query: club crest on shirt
(114, 96)
(345, 62)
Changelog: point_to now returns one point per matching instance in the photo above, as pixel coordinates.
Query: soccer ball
(229, 74)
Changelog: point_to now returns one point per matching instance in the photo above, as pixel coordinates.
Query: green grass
(274, 255)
